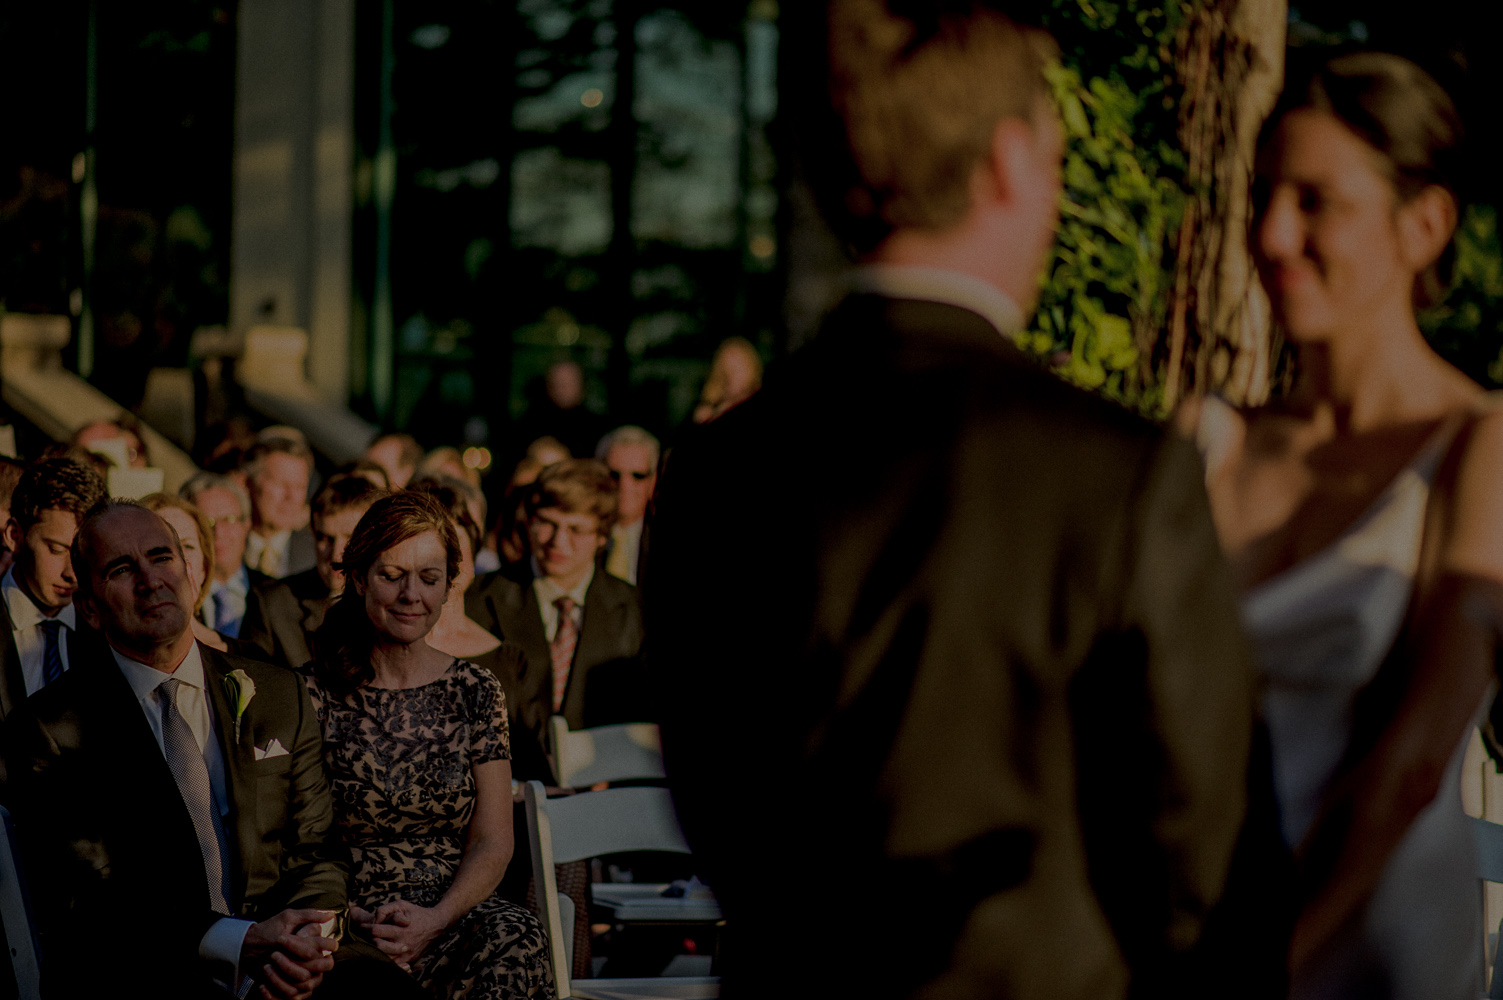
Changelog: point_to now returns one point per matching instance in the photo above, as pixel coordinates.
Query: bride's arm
(1454, 637)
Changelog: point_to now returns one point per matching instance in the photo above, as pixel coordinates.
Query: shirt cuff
(220, 947)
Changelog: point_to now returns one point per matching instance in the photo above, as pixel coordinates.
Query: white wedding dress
(1320, 630)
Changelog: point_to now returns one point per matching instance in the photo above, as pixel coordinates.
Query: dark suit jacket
(605, 682)
(113, 862)
(974, 676)
(282, 615)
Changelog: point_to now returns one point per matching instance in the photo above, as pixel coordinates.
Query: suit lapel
(235, 753)
(520, 621)
(596, 644)
(12, 676)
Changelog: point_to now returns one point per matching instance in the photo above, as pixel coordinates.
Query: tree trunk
(1231, 61)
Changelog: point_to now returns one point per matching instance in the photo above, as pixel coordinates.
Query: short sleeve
(486, 704)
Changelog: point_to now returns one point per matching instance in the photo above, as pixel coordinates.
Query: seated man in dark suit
(175, 812)
(581, 627)
(277, 471)
(282, 615)
(978, 637)
(36, 593)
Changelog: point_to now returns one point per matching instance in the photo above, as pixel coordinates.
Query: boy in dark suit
(581, 627)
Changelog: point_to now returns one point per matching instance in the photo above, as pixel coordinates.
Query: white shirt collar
(934, 284)
(23, 613)
(548, 591)
(144, 680)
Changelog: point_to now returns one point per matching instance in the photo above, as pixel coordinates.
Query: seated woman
(459, 635)
(197, 536)
(417, 749)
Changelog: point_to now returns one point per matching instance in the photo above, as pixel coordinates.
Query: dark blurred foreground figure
(1364, 515)
(969, 715)
(174, 810)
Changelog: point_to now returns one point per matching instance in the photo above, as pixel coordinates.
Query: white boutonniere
(240, 689)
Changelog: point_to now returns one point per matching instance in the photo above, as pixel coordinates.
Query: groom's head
(132, 582)
(939, 125)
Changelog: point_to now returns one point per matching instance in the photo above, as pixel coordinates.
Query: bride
(1364, 515)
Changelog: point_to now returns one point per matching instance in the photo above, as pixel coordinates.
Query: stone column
(294, 143)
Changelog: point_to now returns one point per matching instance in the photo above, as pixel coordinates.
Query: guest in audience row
(399, 455)
(195, 538)
(277, 471)
(631, 454)
(417, 746)
(228, 507)
(172, 803)
(50, 500)
(283, 615)
(581, 628)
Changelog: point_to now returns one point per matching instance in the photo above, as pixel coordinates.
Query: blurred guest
(429, 851)
(473, 498)
(459, 635)
(168, 846)
(50, 500)
(227, 506)
(735, 376)
(124, 429)
(585, 626)
(543, 452)
(1364, 513)
(632, 456)
(195, 537)
(10, 475)
(398, 454)
(366, 469)
(282, 615)
(277, 471)
(447, 461)
(1021, 704)
(561, 412)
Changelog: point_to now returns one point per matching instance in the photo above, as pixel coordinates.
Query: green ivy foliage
(1467, 328)
(1106, 291)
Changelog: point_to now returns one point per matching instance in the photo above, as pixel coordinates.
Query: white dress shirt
(268, 553)
(548, 592)
(222, 942)
(26, 630)
(934, 284)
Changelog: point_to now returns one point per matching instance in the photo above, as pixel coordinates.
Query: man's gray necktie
(190, 772)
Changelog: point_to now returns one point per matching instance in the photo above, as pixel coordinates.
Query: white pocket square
(273, 749)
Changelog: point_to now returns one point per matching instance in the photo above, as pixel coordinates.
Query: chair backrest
(1489, 840)
(15, 916)
(606, 753)
(588, 825)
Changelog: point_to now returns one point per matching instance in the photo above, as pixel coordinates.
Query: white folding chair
(15, 917)
(589, 825)
(606, 753)
(1489, 840)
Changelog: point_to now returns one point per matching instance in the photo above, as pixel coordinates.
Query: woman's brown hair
(1407, 118)
(343, 643)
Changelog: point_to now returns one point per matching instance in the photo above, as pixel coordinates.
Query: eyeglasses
(231, 519)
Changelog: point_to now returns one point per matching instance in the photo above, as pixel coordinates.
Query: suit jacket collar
(933, 284)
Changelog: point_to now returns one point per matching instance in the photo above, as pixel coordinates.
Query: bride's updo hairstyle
(342, 645)
(1407, 118)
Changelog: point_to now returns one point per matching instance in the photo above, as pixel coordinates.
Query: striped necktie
(52, 653)
(186, 760)
(561, 649)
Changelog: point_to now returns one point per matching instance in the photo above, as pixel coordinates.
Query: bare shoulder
(1476, 542)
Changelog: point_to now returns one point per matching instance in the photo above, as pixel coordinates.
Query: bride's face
(1330, 238)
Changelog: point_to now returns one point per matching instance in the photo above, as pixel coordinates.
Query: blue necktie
(52, 654)
(224, 615)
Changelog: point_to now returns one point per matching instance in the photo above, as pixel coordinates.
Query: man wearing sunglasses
(631, 454)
